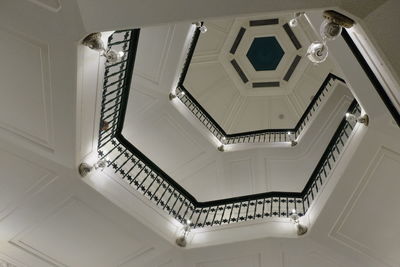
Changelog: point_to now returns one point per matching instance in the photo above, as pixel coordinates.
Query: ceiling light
(330, 29)
(291, 136)
(93, 41)
(171, 96)
(333, 23)
(203, 29)
(295, 218)
(200, 25)
(362, 119)
(295, 20)
(121, 54)
(85, 169)
(112, 56)
(317, 52)
(182, 239)
(104, 125)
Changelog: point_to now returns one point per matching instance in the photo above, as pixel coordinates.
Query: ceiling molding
(154, 73)
(245, 260)
(51, 5)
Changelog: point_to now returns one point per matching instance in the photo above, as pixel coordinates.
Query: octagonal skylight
(265, 53)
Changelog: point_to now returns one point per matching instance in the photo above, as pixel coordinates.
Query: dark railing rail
(117, 76)
(147, 178)
(259, 136)
(372, 77)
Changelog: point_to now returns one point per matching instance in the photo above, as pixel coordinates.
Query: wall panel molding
(78, 223)
(27, 114)
(156, 76)
(376, 239)
(21, 180)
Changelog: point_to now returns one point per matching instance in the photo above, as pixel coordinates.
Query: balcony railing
(117, 76)
(146, 177)
(259, 136)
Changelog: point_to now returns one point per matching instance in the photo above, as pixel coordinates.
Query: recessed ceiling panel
(265, 53)
(77, 223)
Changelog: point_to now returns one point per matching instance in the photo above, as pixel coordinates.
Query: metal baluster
(177, 198)
(166, 189)
(170, 196)
(187, 209)
(263, 208)
(151, 184)
(247, 210)
(222, 216)
(144, 180)
(240, 207)
(130, 169)
(230, 215)
(198, 218)
(215, 214)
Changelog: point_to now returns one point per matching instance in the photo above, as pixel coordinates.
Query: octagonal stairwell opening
(251, 76)
(154, 125)
(158, 131)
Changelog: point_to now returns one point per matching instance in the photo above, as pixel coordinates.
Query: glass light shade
(203, 29)
(293, 22)
(317, 52)
(329, 30)
(113, 56)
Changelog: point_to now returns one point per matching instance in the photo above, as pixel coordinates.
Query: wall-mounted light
(84, 168)
(364, 119)
(104, 125)
(93, 41)
(295, 218)
(292, 139)
(329, 30)
(221, 148)
(200, 25)
(171, 96)
(295, 20)
(182, 239)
